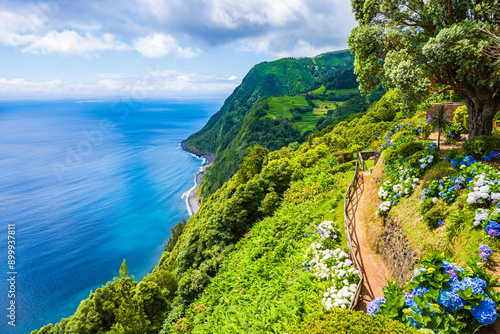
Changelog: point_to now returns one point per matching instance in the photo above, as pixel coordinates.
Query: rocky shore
(192, 202)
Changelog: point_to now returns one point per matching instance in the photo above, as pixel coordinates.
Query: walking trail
(374, 270)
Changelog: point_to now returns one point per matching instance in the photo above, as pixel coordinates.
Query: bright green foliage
(319, 90)
(262, 286)
(349, 322)
(123, 269)
(386, 108)
(434, 215)
(479, 147)
(175, 233)
(462, 118)
(453, 133)
(423, 46)
(252, 162)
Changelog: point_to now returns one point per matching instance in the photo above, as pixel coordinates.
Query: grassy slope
(343, 91)
(283, 105)
(262, 286)
(320, 90)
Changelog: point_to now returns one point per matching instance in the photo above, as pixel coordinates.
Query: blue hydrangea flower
(493, 228)
(477, 284)
(485, 312)
(450, 298)
(374, 305)
(485, 252)
(450, 266)
(417, 292)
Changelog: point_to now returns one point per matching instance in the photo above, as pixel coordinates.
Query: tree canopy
(423, 46)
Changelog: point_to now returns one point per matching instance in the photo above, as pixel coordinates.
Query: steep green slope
(285, 76)
(281, 77)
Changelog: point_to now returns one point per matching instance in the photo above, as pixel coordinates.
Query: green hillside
(234, 121)
(247, 240)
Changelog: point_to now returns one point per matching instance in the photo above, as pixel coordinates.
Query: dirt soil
(373, 268)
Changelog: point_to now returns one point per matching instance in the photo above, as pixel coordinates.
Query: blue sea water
(88, 184)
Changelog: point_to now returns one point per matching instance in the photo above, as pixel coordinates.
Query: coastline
(192, 202)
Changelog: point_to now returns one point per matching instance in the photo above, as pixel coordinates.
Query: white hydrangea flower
(484, 189)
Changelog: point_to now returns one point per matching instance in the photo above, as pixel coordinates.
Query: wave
(191, 193)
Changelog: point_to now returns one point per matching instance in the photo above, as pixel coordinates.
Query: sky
(156, 48)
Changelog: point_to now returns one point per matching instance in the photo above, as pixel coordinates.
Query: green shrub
(454, 154)
(344, 156)
(480, 146)
(434, 215)
(457, 223)
(453, 133)
(462, 118)
(426, 206)
(398, 135)
(352, 322)
(410, 148)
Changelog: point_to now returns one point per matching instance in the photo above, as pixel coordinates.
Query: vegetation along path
(374, 270)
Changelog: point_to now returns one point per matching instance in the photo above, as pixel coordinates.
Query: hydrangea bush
(403, 175)
(481, 185)
(442, 297)
(331, 263)
(446, 188)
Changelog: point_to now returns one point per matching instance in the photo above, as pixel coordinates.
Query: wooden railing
(365, 155)
(349, 214)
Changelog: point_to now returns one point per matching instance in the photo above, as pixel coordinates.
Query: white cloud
(275, 27)
(232, 14)
(160, 28)
(161, 45)
(69, 42)
(232, 77)
(20, 86)
(154, 83)
(109, 84)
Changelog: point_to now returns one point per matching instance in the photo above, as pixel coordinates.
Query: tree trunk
(482, 106)
(439, 138)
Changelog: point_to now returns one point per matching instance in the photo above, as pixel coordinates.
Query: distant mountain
(285, 76)
(241, 119)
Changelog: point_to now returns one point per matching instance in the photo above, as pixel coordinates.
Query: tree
(424, 46)
(123, 269)
(439, 122)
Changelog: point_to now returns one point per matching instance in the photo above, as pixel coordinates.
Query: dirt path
(373, 268)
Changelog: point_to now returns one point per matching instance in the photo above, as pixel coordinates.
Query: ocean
(83, 185)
